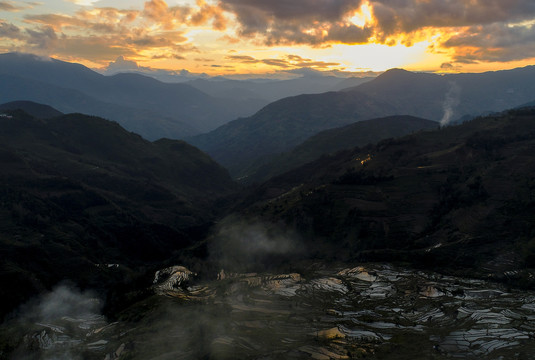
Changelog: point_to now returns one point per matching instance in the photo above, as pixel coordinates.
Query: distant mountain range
(142, 104)
(243, 145)
(272, 90)
(451, 96)
(79, 191)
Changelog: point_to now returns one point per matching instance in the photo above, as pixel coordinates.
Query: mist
(242, 244)
(69, 301)
(57, 322)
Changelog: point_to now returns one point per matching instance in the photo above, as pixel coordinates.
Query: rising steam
(453, 97)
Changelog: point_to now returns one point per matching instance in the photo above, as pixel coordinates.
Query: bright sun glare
(363, 16)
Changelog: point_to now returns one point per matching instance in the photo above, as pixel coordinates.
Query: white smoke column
(452, 100)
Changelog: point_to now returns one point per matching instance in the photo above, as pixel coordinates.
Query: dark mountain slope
(36, 110)
(283, 124)
(329, 141)
(79, 191)
(458, 198)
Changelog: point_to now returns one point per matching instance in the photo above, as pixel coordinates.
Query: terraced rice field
(370, 311)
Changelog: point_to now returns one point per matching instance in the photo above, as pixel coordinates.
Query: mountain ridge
(283, 124)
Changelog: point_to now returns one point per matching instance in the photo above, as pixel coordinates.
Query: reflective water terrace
(376, 311)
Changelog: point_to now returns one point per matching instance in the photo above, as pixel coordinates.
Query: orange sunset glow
(258, 37)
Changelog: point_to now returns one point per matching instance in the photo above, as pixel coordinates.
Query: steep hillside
(329, 141)
(284, 124)
(79, 191)
(462, 197)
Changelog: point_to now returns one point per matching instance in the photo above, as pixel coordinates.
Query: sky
(225, 37)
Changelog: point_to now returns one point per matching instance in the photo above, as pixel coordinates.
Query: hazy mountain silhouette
(434, 96)
(146, 122)
(124, 96)
(266, 91)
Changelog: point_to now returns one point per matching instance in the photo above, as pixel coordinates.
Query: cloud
(55, 21)
(207, 13)
(43, 38)
(329, 21)
(469, 31)
(168, 56)
(159, 13)
(8, 6)
(9, 31)
(312, 22)
(121, 64)
(489, 26)
(494, 42)
(100, 34)
(288, 61)
(84, 2)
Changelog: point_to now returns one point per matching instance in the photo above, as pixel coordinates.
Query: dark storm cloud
(311, 22)
(489, 27)
(405, 16)
(321, 10)
(494, 42)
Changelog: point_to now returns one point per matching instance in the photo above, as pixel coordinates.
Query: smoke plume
(451, 101)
